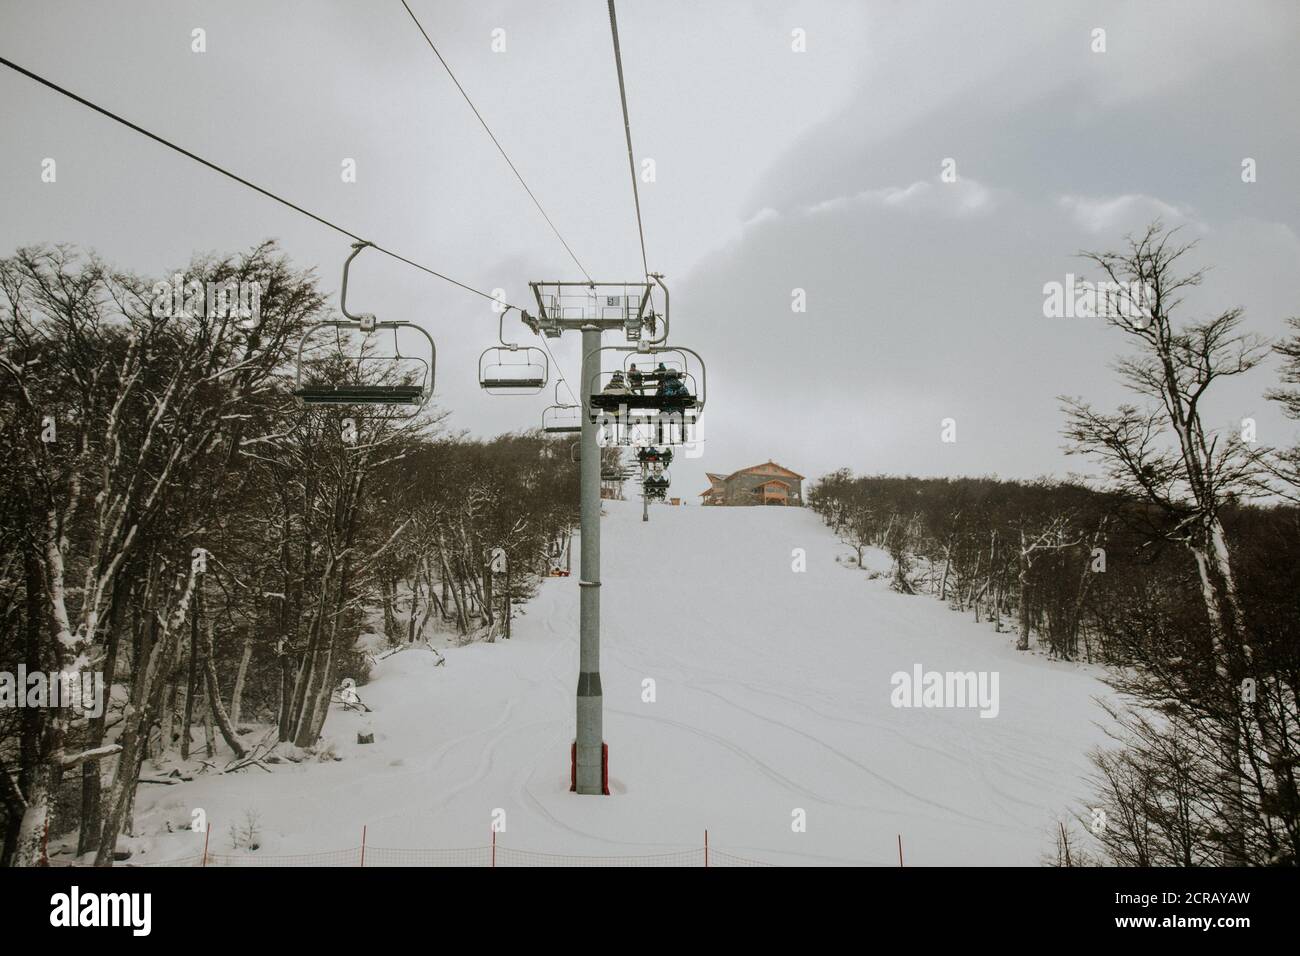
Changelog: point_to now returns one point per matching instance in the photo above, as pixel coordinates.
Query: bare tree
(1285, 464)
(1161, 452)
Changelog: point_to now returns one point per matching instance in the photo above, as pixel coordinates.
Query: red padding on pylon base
(604, 768)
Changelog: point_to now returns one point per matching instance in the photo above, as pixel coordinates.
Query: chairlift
(512, 369)
(652, 456)
(659, 394)
(407, 383)
(561, 418)
(666, 380)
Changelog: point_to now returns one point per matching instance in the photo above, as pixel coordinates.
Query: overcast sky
(776, 170)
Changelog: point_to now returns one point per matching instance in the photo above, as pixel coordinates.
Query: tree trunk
(191, 681)
(462, 619)
(488, 615)
(30, 842)
(302, 697)
(33, 772)
(224, 723)
(168, 715)
(388, 595)
(316, 706)
(135, 729)
(286, 692)
(1022, 642)
(91, 784)
(415, 607)
(209, 741)
(1216, 586)
(237, 695)
(506, 610)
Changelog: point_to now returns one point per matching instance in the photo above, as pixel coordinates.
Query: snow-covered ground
(772, 694)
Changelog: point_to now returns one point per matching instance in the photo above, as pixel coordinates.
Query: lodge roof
(769, 462)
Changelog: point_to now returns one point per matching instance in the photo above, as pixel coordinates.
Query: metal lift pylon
(584, 307)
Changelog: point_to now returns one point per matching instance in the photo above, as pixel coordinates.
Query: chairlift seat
(534, 383)
(509, 369)
(409, 368)
(360, 394)
(634, 402)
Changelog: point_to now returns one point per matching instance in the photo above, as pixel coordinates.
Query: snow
(772, 695)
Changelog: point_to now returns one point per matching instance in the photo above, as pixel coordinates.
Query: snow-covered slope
(772, 694)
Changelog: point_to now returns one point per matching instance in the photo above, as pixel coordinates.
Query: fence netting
(412, 856)
(481, 856)
(507, 856)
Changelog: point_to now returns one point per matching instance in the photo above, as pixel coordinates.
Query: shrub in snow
(246, 834)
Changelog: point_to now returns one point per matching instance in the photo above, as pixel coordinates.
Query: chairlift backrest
(512, 369)
(415, 372)
(668, 399)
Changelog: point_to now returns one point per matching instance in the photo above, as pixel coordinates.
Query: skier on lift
(616, 385)
(670, 382)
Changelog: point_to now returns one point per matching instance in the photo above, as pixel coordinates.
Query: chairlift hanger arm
(536, 362)
(343, 292)
(659, 279)
(501, 328)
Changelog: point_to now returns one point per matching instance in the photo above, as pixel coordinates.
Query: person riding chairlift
(670, 382)
(635, 379)
(616, 384)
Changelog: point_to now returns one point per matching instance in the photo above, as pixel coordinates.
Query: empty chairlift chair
(398, 381)
(561, 419)
(511, 369)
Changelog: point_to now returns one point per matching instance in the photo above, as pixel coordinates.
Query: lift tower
(591, 308)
